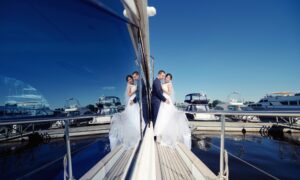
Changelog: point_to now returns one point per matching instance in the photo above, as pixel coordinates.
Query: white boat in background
(235, 103)
(73, 108)
(278, 101)
(109, 104)
(100, 120)
(107, 107)
(197, 108)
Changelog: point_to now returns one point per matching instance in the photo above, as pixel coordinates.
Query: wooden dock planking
(117, 171)
(154, 162)
(184, 168)
(171, 164)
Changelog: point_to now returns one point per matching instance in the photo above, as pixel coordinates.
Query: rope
(251, 165)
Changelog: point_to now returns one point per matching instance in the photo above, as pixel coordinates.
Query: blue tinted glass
(51, 51)
(113, 5)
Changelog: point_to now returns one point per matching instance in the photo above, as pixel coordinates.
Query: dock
(171, 164)
(79, 131)
(152, 161)
(241, 126)
(196, 126)
(54, 133)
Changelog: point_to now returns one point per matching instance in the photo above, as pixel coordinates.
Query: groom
(136, 77)
(157, 95)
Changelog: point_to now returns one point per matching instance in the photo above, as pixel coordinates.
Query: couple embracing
(170, 125)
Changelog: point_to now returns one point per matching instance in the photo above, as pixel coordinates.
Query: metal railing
(256, 113)
(66, 120)
(12, 121)
(223, 114)
(222, 148)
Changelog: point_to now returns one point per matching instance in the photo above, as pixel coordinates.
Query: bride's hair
(171, 76)
(129, 76)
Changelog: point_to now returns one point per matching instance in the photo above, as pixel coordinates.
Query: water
(279, 156)
(23, 160)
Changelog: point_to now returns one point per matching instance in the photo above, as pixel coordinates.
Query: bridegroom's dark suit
(156, 98)
(144, 100)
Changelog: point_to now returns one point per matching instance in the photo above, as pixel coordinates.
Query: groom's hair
(135, 72)
(161, 71)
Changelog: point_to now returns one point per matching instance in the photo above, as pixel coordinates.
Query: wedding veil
(173, 98)
(126, 97)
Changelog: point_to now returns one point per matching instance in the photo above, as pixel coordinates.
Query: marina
(117, 163)
(203, 142)
(278, 101)
(103, 126)
(83, 97)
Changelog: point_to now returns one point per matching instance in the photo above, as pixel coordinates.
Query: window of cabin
(187, 98)
(293, 103)
(284, 103)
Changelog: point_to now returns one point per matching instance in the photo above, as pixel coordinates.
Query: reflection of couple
(125, 126)
(170, 124)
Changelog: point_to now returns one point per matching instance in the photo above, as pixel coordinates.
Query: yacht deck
(171, 165)
(153, 162)
(118, 170)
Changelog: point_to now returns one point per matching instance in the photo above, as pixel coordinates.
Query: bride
(125, 126)
(171, 125)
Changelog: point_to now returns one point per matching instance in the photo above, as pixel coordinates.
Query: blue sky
(75, 50)
(217, 46)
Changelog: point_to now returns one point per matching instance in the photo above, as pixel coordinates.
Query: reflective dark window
(62, 54)
(293, 103)
(58, 58)
(284, 102)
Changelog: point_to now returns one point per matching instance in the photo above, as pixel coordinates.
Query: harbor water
(33, 161)
(278, 156)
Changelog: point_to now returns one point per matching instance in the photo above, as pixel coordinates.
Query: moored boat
(198, 108)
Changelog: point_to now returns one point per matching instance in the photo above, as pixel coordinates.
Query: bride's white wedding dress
(125, 126)
(171, 125)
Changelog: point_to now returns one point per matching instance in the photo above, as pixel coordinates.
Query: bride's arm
(170, 89)
(130, 91)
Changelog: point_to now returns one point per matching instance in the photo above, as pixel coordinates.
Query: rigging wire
(56, 160)
(249, 164)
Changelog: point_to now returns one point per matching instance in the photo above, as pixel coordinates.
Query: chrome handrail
(11, 121)
(255, 113)
(222, 149)
(67, 133)
(222, 176)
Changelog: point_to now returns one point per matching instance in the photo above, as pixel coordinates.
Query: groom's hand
(167, 101)
(131, 102)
